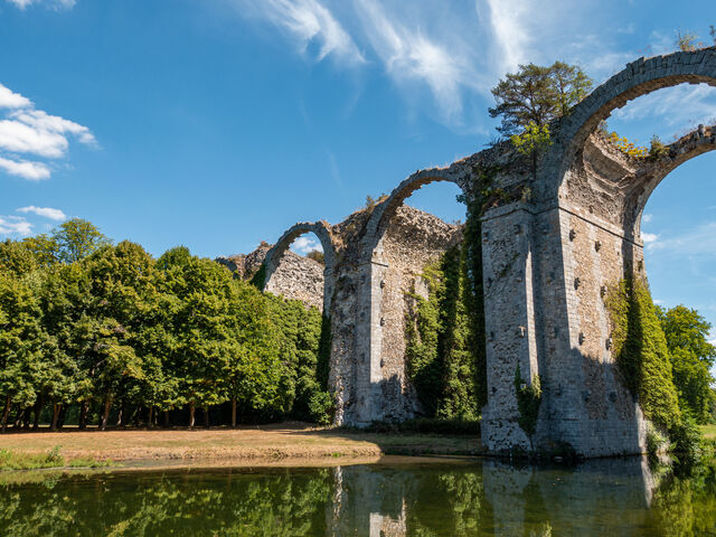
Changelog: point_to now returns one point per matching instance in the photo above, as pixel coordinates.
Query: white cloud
(66, 4)
(306, 243)
(649, 238)
(47, 212)
(10, 99)
(647, 218)
(14, 225)
(27, 131)
(307, 22)
(33, 171)
(699, 241)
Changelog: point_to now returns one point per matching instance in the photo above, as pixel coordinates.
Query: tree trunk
(206, 417)
(83, 415)
(151, 417)
(37, 410)
(233, 412)
(166, 419)
(5, 413)
(61, 417)
(18, 418)
(26, 419)
(55, 415)
(192, 410)
(105, 414)
(119, 416)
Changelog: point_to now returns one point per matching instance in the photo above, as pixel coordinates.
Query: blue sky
(219, 123)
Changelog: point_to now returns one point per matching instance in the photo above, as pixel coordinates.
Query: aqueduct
(552, 242)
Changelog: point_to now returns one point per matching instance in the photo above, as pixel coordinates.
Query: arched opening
(603, 186)
(422, 343)
(658, 134)
(301, 265)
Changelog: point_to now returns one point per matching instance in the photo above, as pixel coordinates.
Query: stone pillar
(586, 405)
(510, 324)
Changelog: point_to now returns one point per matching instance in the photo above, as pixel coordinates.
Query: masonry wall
(413, 240)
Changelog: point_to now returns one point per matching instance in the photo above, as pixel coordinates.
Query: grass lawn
(275, 443)
(709, 431)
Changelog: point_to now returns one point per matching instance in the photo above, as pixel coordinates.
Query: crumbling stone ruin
(553, 238)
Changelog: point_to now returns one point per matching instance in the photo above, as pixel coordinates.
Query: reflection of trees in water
(287, 505)
(374, 501)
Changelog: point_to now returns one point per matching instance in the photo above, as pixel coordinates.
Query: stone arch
(631, 181)
(638, 78)
(381, 389)
(697, 142)
(323, 231)
(385, 210)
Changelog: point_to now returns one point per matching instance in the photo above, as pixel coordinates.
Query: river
(394, 498)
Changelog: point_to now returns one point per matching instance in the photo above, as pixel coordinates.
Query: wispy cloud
(410, 55)
(26, 131)
(47, 212)
(647, 218)
(675, 106)
(454, 54)
(306, 243)
(699, 241)
(307, 22)
(64, 4)
(14, 225)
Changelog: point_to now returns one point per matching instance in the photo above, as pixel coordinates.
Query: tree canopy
(537, 94)
(99, 331)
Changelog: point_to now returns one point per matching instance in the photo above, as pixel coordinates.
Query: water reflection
(614, 497)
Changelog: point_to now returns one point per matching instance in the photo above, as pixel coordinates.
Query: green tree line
(94, 330)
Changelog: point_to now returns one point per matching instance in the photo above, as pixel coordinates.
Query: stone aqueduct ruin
(555, 239)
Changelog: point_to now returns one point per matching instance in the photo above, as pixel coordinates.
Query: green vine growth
(445, 332)
(529, 398)
(641, 353)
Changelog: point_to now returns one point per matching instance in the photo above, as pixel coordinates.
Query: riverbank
(279, 445)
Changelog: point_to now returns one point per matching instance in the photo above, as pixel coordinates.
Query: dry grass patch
(270, 443)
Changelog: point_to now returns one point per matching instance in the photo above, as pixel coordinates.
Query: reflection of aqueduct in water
(550, 245)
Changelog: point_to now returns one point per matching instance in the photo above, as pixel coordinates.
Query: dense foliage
(692, 357)
(441, 342)
(664, 359)
(537, 95)
(641, 353)
(91, 330)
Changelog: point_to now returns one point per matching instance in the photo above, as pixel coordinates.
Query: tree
(537, 94)
(255, 375)
(692, 357)
(200, 325)
(74, 240)
(532, 141)
(23, 343)
(17, 258)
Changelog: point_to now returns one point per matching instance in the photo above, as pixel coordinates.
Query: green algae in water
(607, 497)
